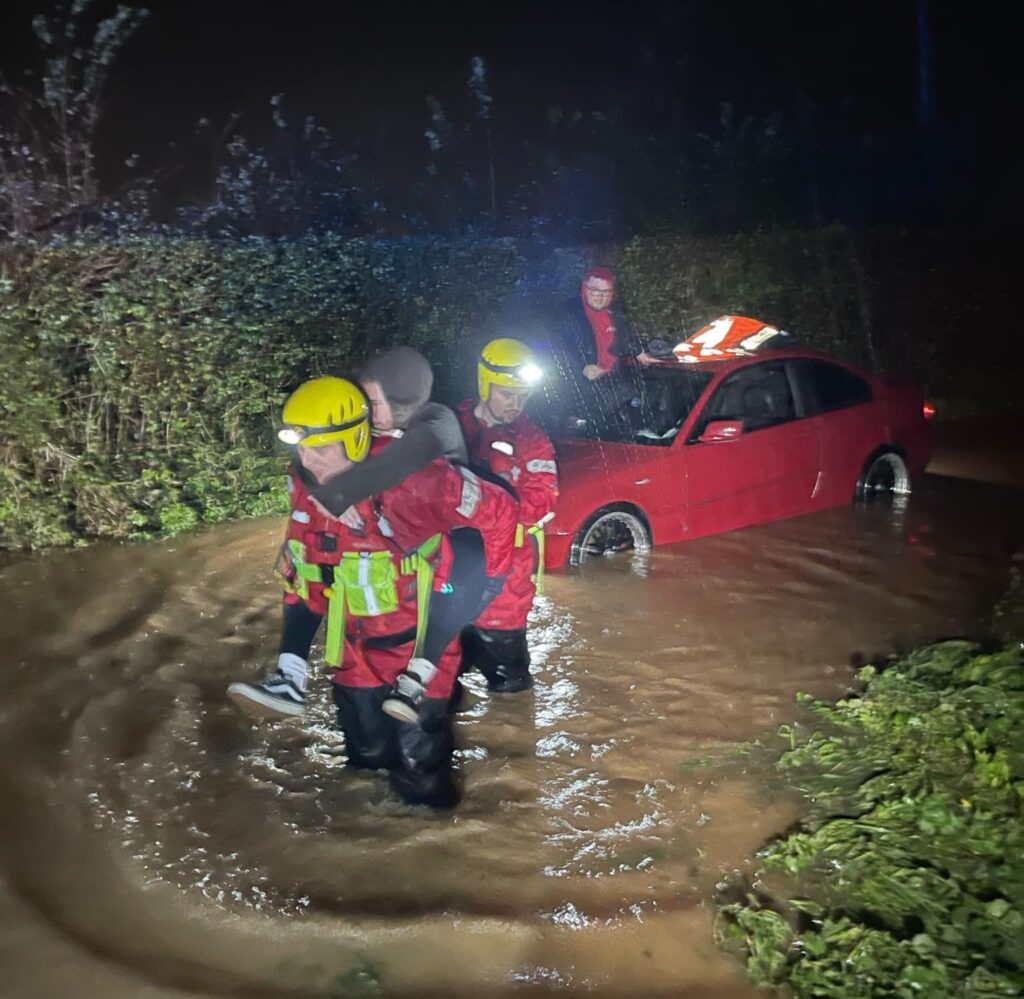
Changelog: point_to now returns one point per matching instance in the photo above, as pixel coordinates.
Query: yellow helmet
(509, 363)
(325, 410)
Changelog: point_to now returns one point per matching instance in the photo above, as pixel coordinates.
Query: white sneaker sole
(400, 711)
(260, 704)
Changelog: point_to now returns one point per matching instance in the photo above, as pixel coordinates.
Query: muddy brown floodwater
(155, 843)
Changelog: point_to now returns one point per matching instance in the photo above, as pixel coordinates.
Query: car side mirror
(719, 431)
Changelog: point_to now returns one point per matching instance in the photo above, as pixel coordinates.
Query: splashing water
(156, 842)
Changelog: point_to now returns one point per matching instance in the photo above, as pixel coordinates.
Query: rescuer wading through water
(504, 442)
(377, 577)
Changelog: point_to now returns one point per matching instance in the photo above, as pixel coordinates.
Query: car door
(839, 403)
(765, 471)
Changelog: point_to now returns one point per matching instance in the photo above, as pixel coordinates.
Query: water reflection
(585, 840)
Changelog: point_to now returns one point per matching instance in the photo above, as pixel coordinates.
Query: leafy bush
(906, 879)
(140, 379)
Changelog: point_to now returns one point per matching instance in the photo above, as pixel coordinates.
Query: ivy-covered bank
(906, 877)
(139, 380)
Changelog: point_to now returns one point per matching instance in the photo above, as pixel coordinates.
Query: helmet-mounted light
(508, 364)
(529, 374)
(293, 435)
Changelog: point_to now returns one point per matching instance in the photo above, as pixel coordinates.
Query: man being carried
(504, 441)
(372, 576)
(397, 384)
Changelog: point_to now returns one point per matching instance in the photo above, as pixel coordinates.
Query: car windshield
(643, 406)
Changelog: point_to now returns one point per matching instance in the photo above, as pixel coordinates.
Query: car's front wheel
(609, 532)
(885, 477)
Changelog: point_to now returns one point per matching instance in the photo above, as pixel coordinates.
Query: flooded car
(703, 449)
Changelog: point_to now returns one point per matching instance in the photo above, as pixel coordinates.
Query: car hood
(593, 473)
(583, 456)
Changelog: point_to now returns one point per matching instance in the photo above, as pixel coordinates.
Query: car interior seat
(758, 403)
(768, 401)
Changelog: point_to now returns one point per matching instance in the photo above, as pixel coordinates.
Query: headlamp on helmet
(508, 363)
(325, 411)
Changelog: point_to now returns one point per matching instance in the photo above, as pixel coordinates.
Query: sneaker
(403, 703)
(281, 695)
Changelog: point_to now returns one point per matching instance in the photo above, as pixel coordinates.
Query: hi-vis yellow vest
(364, 584)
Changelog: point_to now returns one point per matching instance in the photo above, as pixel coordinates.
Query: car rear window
(826, 386)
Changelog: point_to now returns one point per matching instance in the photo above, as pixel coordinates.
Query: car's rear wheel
(885, 478)
(609, 532)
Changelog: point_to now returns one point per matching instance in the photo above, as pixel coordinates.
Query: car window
(648, 406)
(826, 386)
(757, 396)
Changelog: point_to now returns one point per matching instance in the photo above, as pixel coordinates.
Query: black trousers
(467, 595)
(502, 656)
(298, 629)
(418, 758)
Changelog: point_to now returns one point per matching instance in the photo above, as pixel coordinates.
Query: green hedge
(906, 877)
(139, 381)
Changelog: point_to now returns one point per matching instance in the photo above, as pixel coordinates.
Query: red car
(711, 447)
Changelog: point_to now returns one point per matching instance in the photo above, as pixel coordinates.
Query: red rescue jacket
(364, 664)
(442, 497)
(530, 469)
(326, 539)
(436, 499)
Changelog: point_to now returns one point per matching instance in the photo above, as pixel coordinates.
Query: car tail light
(929, 410)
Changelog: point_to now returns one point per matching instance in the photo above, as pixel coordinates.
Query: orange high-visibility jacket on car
(727, 336)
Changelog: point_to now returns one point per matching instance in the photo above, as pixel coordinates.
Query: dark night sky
(364, 69)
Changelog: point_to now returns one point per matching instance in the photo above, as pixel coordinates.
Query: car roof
(769, 354)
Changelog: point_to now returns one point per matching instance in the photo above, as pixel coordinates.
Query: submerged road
(154, 843)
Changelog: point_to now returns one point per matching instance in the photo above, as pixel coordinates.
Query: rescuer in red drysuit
(369, 576)
(377, 649)
(397, 384)
(503, 441)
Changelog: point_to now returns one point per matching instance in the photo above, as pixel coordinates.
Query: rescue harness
(363, 584)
